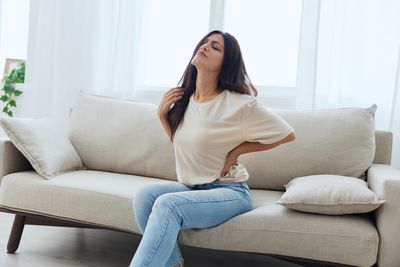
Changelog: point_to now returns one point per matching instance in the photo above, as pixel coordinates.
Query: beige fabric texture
(121, 136)
(329, 194)
(12, 159)
(384, 180)
(343, 136)
(383, 143)
(46, 147)
(106, 198)
(104, 139)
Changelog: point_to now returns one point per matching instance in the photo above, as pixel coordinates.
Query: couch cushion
(121, 136)
(328, 141)
(105, 198)
(43, 143)
(98, 197)
(273, 229)
(329, 194)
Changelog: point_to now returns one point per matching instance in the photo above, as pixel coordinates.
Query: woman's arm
(167, 127)
(247, 147)
(168, 99)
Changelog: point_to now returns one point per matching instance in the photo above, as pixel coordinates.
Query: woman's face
(210, 54)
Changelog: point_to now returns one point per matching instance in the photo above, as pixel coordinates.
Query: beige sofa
(123, 147)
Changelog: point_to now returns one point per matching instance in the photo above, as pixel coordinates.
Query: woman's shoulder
(241, 99)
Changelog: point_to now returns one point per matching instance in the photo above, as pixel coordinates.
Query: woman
(212, 118)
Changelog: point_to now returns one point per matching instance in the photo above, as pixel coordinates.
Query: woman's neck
(206, 86)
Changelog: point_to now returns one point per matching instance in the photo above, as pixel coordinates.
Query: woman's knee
(166, 202)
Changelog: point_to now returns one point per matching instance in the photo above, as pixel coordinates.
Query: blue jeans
(162, 209)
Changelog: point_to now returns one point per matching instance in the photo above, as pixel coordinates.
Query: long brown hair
(232, 77)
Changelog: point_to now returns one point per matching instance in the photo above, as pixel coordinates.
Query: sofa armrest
(384, 181)
(11, 159)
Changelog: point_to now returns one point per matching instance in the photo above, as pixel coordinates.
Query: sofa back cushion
(121, 136)
(338, 141)
(127, 137)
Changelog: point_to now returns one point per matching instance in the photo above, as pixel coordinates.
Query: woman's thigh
(152, 191)
(203, 208)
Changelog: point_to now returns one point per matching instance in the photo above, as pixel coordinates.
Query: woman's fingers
(173, 100)
(173, 91)
(169, 98)
(173, 95)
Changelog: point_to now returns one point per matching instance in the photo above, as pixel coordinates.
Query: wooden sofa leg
(16, 233)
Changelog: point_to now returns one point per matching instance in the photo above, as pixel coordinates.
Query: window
(267, 30)
(165, 54)
(268, 33)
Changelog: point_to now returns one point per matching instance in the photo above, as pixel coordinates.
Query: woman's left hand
(231, 159)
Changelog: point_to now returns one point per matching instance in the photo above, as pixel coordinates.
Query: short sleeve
(262, 125)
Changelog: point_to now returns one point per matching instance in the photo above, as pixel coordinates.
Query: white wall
(14, 16)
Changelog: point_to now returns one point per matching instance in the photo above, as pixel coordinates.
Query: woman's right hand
(169, 98)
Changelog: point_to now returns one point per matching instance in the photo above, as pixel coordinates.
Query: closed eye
(213, 43)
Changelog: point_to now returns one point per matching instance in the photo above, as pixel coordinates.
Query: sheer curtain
(79, 45)
(358, 60)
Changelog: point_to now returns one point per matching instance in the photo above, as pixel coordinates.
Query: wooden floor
(47, 246)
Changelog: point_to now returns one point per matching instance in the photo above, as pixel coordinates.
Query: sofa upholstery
(123, 146)
(384, 180)
(105, 199)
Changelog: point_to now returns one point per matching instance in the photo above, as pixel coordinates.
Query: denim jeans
(162, 209)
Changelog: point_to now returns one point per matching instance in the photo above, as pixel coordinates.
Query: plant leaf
(17, 92)
(8, 88)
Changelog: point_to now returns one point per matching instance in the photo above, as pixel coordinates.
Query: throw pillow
(43, 143)
(329, 194)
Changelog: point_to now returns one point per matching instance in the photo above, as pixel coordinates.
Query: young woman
(212, 118)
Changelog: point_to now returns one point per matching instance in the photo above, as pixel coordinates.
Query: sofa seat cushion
(105, 198)
(274, 229)
(101, 198)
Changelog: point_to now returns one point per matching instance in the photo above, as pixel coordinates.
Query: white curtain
(358, 60)
(79, 45)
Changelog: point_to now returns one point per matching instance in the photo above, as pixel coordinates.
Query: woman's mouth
(201, 54)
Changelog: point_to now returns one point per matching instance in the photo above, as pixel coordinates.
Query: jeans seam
(189, 202)
(158, 244)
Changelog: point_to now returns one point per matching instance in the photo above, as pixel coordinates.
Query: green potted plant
(17, 75)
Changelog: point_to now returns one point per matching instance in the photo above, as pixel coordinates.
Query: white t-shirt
(210, 130)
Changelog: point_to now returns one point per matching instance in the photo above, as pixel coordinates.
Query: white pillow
(43, 143)
(329, 194)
